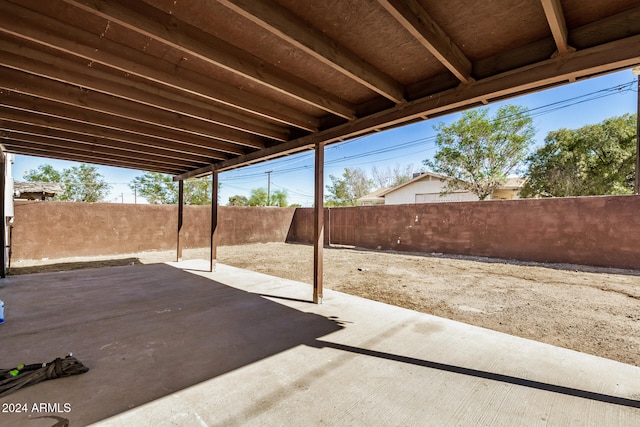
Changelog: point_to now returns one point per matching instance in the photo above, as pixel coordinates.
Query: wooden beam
(287, 26)
(193, 41)
(219, 137)
(557, 23)
(72, 157)
(601, 59)
(83, 137)
(109, 115)
(214, 220)
(91, 149)
(318, 224)
(47, 115)
(31, 26)
(54, 67)
(415, 19)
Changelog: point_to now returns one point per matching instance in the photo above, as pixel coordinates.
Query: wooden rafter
(49, 118)
(285, 25)
(53, 67)
(65, 155)
(61, 138)
(607, 57)
(217, 52)
(412, 16)
(555, 18)
(28, 25)
(190, 87)
(218, 137)
(98, 154)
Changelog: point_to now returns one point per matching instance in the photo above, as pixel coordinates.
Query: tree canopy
(345, 190)
(593, 160)
(80, 183)
(159, 188)
(238, 200)
(43, 173)
(259, 197)
(480, 152)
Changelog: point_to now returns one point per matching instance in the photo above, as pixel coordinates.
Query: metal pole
(214, 219)
(180, 216)
(268, 187)
(318, 231)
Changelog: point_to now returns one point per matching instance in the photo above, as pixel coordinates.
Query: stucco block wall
(599, 231)
(58, 229)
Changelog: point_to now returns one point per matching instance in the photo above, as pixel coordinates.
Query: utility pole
(135, 193)
(636, 72)
(268, 187)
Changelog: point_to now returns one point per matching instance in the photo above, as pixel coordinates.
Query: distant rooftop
(36, 190)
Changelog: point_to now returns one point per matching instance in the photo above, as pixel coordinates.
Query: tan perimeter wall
(59, 230)
(599, 231)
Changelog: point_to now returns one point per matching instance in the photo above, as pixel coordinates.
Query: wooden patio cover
(191, 87)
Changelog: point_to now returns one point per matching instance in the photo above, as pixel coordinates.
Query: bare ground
(591, 310)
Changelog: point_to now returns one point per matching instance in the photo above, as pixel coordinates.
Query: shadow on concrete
(286, 298)
(67, 266)
(482, 374)
(145, 331)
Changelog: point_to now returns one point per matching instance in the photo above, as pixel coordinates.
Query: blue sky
(569, 106)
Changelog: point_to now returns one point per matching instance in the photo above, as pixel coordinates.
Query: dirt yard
(591, 310)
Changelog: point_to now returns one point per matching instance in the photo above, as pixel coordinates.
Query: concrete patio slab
(172, 344)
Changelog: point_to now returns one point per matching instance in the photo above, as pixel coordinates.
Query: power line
(285, 165)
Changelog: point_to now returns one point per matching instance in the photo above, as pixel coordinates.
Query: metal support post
(180, 218)
(318, 209)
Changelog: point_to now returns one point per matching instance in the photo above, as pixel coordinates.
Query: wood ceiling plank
(287, 26)
(29, 150)
(26, 24)
(557, 23)
(415, 19)
(217, 52)
(83, 140)
(601, 59)
(73, 146)
(41, 112)
(56, 68)
(222, 139)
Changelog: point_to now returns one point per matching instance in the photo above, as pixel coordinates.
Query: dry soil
(591, 310)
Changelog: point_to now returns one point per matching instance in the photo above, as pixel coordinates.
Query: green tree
(83, 184)
(197, 191)
(279, 198)
(44, 173)
(258, 197)
(238, 200)
(345, 190)
(156, 188)
(159, 188)
(481, 152)
(593, 160)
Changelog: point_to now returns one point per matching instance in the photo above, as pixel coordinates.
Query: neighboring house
(375, 198)
(428, 188)
(35, 190)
